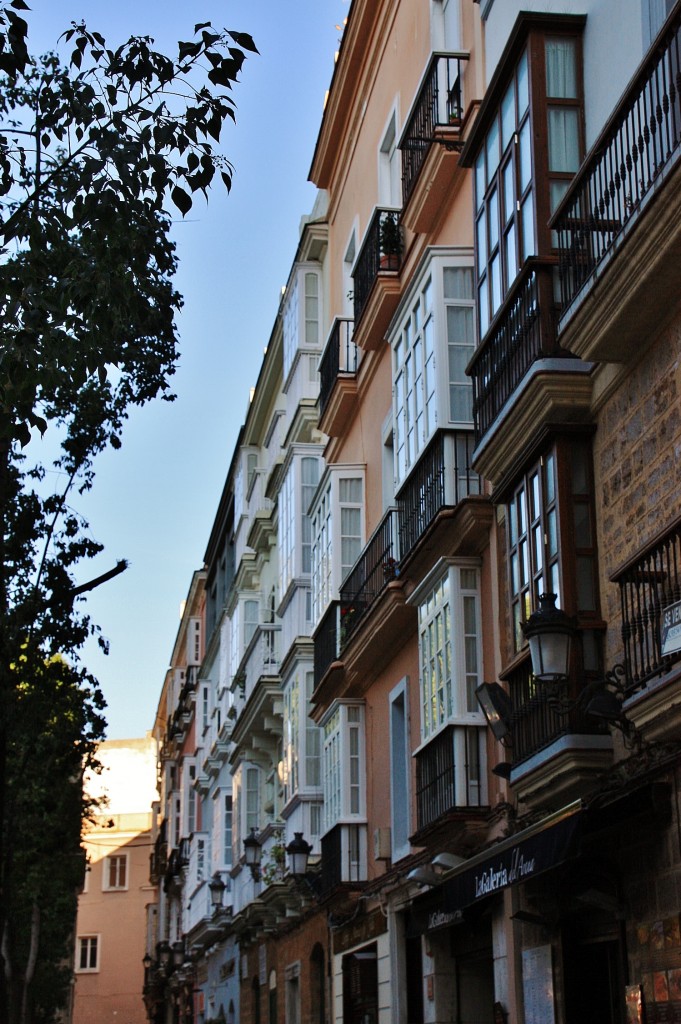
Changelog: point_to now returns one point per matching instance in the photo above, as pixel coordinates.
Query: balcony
(619, 224)
(451, 774)
(649, 584)
(376, 285)
(522, 378)
(442, 501)
(373, 570)
(441, 479)
(338, 377)
(555, 756)
(431, 141)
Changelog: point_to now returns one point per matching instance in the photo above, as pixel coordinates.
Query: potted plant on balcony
(390, 242)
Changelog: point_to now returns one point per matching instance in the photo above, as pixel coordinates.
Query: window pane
(350, 490)
(507, 117)
(525, 162)
(527, 217)
(484, 310)
(492, 147)
(523, 94)
(495, 271)
(511, 256)
(458, 283)
(509, 191)
(561, 68)
(482, 242)
(493, 219)
(563, 139)
(479, 178)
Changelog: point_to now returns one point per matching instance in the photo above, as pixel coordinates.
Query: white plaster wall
(613, 47)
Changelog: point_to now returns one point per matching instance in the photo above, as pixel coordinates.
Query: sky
(154, 501)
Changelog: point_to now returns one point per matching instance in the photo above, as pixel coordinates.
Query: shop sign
(670, 632)
(511, 864)
(359, 932)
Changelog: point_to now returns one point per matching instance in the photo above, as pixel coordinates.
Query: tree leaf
(182, 200)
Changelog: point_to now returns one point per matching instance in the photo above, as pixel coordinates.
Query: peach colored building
(112, 909)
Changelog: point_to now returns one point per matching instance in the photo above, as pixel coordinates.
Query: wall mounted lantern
(253, 854)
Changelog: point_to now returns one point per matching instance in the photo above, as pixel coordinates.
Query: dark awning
(516, 859)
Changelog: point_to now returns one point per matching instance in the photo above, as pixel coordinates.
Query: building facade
(470, 400)
(113, 905)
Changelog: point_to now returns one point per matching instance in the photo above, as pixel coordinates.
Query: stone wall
(637, 461)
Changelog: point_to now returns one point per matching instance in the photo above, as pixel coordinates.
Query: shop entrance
(475, 988)
(360, 986)
(594, 980)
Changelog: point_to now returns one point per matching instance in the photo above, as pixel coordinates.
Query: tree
(93, 152)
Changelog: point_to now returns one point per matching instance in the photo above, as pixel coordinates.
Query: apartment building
(117, 895)
(484, 474)
(527, 871)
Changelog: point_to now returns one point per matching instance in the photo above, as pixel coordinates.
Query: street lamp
(298, 851)
(164, 953)
(253, 854)
(217, 888)
(178, 953)
(549, 632)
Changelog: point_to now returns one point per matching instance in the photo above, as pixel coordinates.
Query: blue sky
(154, 500)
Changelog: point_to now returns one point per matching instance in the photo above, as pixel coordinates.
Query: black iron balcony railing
(536, 722)
(326, 641)
(648, 586)
(373, 570)
(522, 332)
(439, 103)
(442, 478)
(339, 358)
(441, 784)
(641, 140)
(381, 251)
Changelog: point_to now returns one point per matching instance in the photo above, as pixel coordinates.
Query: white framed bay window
(432, 340)
(294, 529)
(451, 759)
(344, 764)
(338, 530)
(450, 644)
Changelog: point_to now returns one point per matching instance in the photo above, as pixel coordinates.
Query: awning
(517, 859)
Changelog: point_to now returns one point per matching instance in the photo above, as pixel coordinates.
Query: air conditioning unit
(382, 844)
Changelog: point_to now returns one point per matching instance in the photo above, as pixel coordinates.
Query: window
(87, 953)
(337, 523)
(450, 646)
(296, 493)
(343, 764)
(389, 168)
(302, 738)
(517, 186)
(191, 798)
(227, 830)
(115, 872)
(246, 816)
(301, 314)
(399, 771)
(550, 551)
(431, 346)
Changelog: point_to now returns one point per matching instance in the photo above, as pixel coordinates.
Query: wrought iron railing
(436, 482)
(326, 641)
(373, 570)
(522, 332)
(381, 251)
(647, 587)
(438, 790)
(339, 357)
(438, 103)
(538, 718)
(640, 141)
